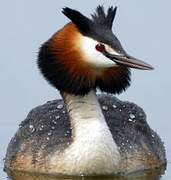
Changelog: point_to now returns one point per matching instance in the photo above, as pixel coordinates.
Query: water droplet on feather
(114, 106)
(132, 116)
(60, 106)
(130, 120)
(105, 108)
(32, 129)
(57, 117)
(49, 133)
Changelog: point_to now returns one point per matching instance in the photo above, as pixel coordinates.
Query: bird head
(85, 55)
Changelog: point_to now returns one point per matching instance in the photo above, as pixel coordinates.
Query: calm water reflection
(148, 175)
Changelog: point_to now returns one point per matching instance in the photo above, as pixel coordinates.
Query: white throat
(93, 150)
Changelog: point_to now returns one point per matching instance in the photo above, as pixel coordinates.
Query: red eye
(100, 47)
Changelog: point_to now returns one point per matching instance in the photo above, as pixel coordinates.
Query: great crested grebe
(86, 134)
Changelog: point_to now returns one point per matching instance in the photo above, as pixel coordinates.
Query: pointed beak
(128, 61)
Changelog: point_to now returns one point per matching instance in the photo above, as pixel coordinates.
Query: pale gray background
(143, 27)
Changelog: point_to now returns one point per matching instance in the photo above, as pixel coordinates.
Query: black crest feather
(104, 19)
(82, 22)
(98, 25)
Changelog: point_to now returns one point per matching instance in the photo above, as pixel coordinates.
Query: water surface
(157, 174)
(147, 175)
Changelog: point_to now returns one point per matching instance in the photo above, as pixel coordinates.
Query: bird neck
(83, 110)
(93, 144)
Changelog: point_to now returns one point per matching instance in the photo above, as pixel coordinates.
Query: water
(159, 174)
(149, 175)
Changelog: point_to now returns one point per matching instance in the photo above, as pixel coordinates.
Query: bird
(86, 133)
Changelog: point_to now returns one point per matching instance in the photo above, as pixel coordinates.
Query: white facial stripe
(110, 50)
(94, 57)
